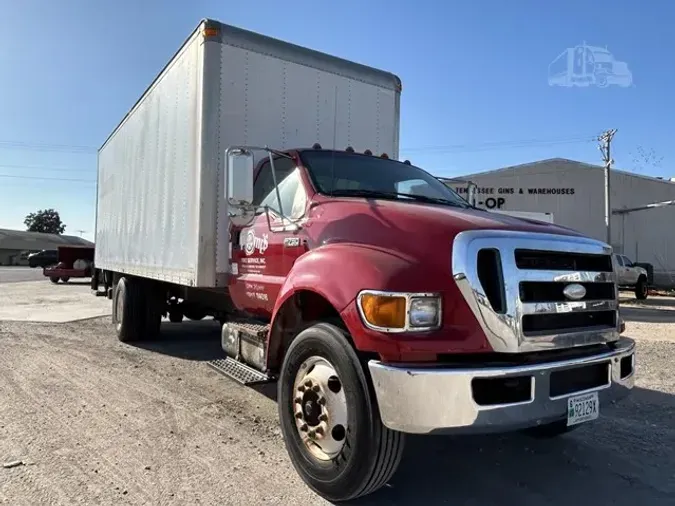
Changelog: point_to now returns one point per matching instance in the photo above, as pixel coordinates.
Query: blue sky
(475, 81)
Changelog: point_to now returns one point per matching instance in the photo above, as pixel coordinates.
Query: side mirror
(239, 178)
(239, 185)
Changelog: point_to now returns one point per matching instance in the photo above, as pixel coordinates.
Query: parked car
(43, 258)
(631, 276)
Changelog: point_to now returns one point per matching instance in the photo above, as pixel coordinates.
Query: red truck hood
(409, 248)
(413, 227)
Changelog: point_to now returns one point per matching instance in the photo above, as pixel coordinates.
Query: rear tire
(155, 301)
(54, 280)
(550, 430)
(65, 279)
(641, 289)
(129, 309)
(369, 453)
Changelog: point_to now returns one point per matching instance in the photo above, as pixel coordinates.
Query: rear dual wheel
(137, 310)
(330, 419)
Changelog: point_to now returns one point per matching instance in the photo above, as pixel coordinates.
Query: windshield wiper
(395, 196)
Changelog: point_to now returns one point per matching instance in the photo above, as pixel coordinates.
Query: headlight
(399, 311)
(424, 311)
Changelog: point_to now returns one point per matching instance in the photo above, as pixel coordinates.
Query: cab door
(264, 251)
(620, 270)
(631, 273)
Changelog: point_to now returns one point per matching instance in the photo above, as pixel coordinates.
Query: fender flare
(339, 271)
(325, 271)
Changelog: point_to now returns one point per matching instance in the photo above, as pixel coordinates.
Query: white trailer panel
(162, 211)
(146, 220)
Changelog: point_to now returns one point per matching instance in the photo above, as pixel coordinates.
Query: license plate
(582, 408)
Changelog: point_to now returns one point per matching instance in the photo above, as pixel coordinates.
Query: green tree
(46, 221)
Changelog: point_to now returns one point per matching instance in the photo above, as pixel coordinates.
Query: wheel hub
(320, 408)
(311, 408)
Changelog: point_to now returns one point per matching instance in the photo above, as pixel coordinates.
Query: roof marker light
(368, 152)
(349, 149)
(407, 162)
(384, 155)
(316, 146)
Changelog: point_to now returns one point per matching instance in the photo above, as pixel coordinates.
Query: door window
(291, 190)
(619, 260)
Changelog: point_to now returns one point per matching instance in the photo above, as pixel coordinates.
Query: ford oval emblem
(575, 291)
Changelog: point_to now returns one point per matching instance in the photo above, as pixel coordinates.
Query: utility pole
(605, 141)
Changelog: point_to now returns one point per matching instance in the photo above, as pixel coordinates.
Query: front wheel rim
(319, 407)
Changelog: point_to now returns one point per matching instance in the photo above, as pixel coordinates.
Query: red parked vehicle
(73, 262)
(380, 302)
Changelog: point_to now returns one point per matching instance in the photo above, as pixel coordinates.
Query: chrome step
(239, 372)
(256, 331)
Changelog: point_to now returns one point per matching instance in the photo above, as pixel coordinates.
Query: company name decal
(252, 242)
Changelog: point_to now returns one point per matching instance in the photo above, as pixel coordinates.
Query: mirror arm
(276, 185)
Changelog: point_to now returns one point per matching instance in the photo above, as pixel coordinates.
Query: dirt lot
(94, 421)
(42, 301)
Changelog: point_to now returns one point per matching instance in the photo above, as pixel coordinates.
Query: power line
(42, 167)
(12, 176)
(40, 146)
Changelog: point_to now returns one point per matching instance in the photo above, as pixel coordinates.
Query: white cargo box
(160, 208)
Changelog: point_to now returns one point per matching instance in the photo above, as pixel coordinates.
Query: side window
(291, 190)
(264, 183)
(619, 260)
(626, 261)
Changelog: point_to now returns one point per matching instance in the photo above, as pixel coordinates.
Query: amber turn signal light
(384, 310)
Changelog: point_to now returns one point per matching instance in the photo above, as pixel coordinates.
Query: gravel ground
(43, 301)
(94, 421)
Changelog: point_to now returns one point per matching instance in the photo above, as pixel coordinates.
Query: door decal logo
(292, 242)
(252, 242)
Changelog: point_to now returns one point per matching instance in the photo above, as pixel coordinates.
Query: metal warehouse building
(15, 243)
(574, 192)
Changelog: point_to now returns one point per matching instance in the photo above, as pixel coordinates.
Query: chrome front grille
(515, 284)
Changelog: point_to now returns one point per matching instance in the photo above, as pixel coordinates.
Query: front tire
(54, 279)
(65, 279)
(641, 289)
(330, 419)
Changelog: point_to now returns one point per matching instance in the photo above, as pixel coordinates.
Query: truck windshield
(351, 174)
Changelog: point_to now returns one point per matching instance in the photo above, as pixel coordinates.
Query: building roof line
(587, 165)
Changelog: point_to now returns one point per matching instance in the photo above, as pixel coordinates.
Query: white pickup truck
(631, 276)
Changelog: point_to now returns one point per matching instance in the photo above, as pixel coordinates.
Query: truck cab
(631, 276)
(443, 317)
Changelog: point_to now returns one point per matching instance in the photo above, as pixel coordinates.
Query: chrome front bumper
(423, 400)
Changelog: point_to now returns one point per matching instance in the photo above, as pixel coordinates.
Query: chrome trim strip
(566, 276)
(421, 399)
(408, 296)
(504, 331)
(568, 307)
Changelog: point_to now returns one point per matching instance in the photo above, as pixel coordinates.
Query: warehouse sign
(495, 197)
